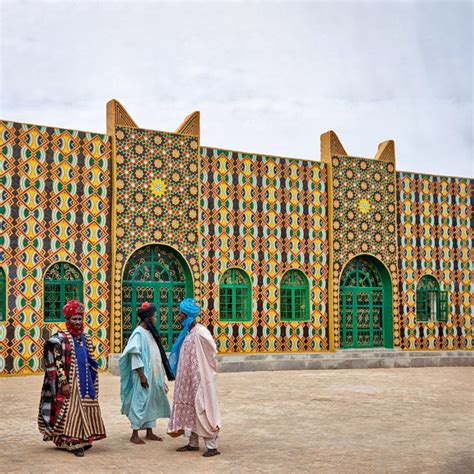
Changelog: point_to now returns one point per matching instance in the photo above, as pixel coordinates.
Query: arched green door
(366, 305)
(159, 275)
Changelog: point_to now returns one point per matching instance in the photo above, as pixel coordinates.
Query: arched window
(62, 282)
(3, 295)
(431, 303)
(294, 296)
(235, 296)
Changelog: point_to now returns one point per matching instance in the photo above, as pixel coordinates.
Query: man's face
(182, 317)
(153, 319)
(76, 320)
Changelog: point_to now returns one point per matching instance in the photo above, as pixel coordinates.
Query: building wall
(265, 215)
(55, 187)
(363, 212)
(435, 226)
(221, 209)
(157, 196)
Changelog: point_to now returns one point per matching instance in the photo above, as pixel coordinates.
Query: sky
(267, 77)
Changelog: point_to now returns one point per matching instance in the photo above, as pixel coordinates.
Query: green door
(155, 274)
(363, 302)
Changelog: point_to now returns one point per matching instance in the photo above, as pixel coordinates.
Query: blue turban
(191, 309)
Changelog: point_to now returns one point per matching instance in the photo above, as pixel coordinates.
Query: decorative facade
(284, 255)
(55, 209)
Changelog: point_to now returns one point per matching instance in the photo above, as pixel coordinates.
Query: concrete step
(343, 359)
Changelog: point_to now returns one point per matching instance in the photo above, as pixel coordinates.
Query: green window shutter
(421, 307)
(62, 282)
(443, 306)
(3, 296)
(235, 296)
(427, 299)
(294, 297)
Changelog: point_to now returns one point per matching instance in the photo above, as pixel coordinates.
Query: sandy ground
(344, 421)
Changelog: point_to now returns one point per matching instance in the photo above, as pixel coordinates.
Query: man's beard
(74, 330)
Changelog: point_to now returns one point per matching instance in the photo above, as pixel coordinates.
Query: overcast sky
(267, 77)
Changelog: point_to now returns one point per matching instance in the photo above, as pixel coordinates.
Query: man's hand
(66, 389)
(144, 381)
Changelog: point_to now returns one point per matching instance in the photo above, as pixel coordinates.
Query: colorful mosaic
(57, 188)
(217, 210)
(435, 238)
(363, 222)
(157, 200)
(265, 215)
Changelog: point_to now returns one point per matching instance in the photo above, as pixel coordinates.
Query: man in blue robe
(143, 366)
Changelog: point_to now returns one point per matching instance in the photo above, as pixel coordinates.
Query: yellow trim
(395, 288)
(331, 343)
(189, 119)
(249, 153)
(434, 175)
(362, 254)
(55, 127)
(113, 244)
(105, 134)
(199, 234)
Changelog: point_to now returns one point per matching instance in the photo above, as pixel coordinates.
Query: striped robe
(70, 422)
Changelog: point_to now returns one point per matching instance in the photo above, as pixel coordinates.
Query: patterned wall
(55, 187)
(435, 238)
(265, 215)
(364, 222)
(157, 186)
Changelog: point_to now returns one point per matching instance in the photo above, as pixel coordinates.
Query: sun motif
(158, 187)
(364, 206)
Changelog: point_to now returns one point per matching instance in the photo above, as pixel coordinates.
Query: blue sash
(87, 368)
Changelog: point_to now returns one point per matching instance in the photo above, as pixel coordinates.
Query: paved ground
(344, 421)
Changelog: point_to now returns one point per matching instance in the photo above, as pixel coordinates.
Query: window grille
(235, 296)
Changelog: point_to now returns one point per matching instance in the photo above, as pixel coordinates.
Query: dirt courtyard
(342, 421)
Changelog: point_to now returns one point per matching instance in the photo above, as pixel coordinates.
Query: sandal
(188, 447)
(87, 446)
(79, 452)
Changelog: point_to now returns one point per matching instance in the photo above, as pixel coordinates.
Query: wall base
(343, 359)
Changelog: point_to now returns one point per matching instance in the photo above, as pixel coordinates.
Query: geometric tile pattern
(58, 205)
(264, 215)
(157, 199)
(223, 209)
(435, 238)
(364, 222)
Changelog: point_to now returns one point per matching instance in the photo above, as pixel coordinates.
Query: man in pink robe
(195, 408)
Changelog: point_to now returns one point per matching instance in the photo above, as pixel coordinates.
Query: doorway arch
(158, 274)
(366, 304)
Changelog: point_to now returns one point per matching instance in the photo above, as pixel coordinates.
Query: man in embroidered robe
(143, 365)
(193, 360)
(69, 412)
